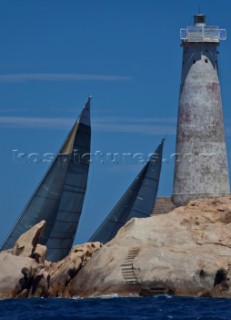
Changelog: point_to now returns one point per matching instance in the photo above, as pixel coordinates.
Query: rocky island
(184, 252)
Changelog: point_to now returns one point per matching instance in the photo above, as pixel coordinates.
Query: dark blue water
(162, 307)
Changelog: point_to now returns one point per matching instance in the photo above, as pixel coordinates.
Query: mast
(59, 197)
(137, 202)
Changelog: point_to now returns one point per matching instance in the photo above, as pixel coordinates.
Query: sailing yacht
(137, 202)
(59, 197)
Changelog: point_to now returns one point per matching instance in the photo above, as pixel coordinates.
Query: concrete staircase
(127, 267)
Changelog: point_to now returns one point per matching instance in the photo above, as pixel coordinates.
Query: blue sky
(127, 54)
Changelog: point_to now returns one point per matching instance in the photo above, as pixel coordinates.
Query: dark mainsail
(137, 202)
(59, 197)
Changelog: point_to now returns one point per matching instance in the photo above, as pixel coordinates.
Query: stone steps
(127, 267)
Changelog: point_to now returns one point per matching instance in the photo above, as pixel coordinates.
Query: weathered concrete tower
(201, 169)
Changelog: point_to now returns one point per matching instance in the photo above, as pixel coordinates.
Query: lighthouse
(201, 168)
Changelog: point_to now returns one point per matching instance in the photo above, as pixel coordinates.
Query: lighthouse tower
(201, 169)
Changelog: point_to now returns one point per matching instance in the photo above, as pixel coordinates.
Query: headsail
(138, 201)
(59, 197)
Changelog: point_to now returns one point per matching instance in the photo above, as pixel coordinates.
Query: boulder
(27, 242)
(15, 274)
(40, 284)
(184, 252)
(64, 271)
(39, 253)
(24, 272)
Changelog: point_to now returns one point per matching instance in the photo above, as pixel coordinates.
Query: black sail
(59, 197)
(137, 202)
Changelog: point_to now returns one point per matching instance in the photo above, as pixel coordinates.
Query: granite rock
(15, 274)
(24, 272)
(184, 252)
(64, 271)
(27, 242)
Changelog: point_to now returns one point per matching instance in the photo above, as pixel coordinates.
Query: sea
(158, 307)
